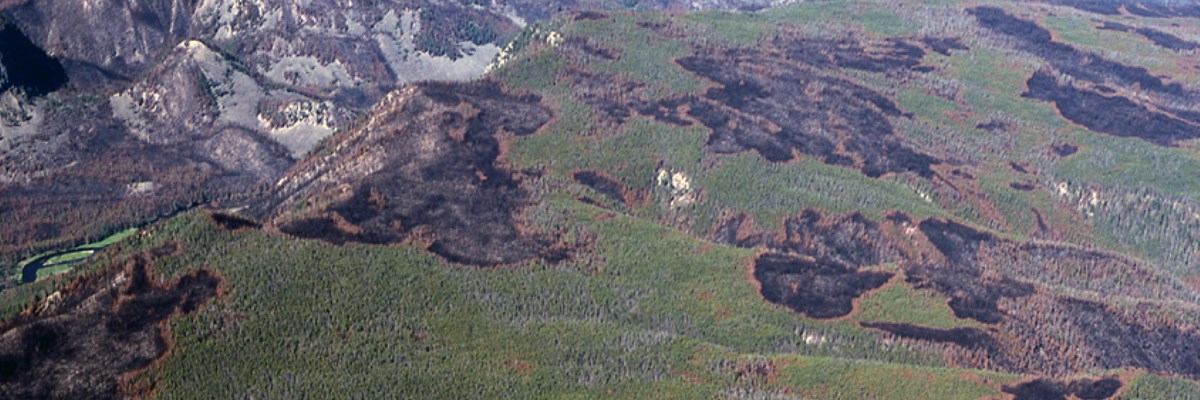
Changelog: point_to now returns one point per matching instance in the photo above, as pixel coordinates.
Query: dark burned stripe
(970, 338)
(1160, 38)
(1114, 115)
(1141, 8)
(1079, 64)
(1102, 109)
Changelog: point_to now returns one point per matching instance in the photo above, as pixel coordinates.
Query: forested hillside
(820, 200)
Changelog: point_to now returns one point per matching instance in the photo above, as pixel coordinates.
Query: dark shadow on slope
(26, 67)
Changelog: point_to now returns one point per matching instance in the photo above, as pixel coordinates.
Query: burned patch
(1082, 65)
(590, 16)
(878, 56)
(1038, 389)
(737, 230)
(425, 169)
(1141, 8)
(818, 289)
(1023, 168)
(970, 338)
(1159, 38)
(1000, 21)
(1095, 389)
(1114, 115)
(1069, 60)
(994, 126)
(779, 103)
(962, 174)
(1161, 115)
(1023, 186)
(1041, 222)
(79, 341)
(778, 108)
(850, 239)
(591, 48)
(1117, 339)
(1064, 149)
(616, 99)
(973, 294)
(233, 222)
(944, 45)
(1167, 40)
(1045, 389)
(958, 242)
(981, 276)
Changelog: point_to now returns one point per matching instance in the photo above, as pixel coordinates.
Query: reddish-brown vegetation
(78, 341)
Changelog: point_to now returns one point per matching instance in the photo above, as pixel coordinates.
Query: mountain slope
(825, 200)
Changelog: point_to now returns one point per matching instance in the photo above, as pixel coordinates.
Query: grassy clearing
(1123, 162)
(744, 29)
(70, 257)
(1125, 47)
(770, 191)
(898, 302)
(646, 57)
(44, 273)
(78, 255)
(832, 378)
(1150, 386)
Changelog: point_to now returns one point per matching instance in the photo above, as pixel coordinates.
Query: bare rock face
(213, 99)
